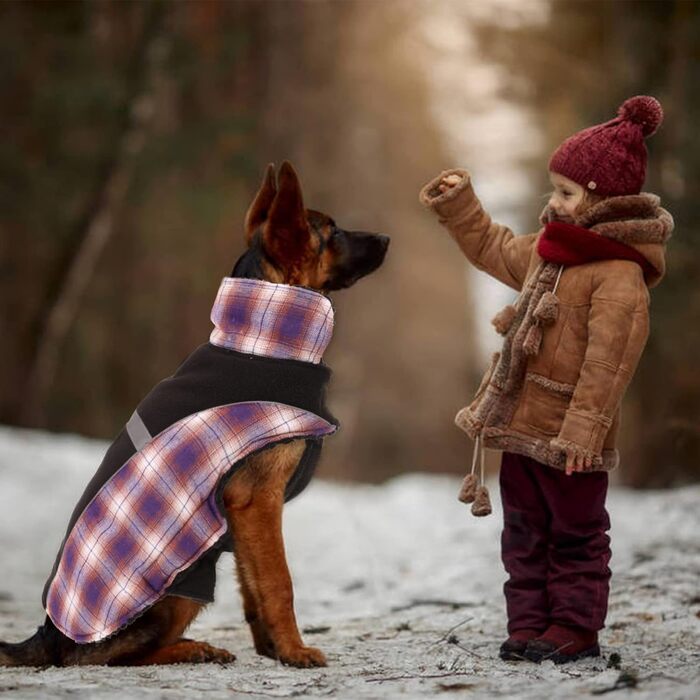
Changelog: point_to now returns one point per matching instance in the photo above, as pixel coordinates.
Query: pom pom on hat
(643, 110)
(610, 159)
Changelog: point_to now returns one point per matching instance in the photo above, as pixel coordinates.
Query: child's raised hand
(576, 462)
(449, 181)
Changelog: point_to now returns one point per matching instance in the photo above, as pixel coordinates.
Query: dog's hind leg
(254, 498)
(154, 637)
(159, 626)
(48, 647)
(185, 651)
(171, 617)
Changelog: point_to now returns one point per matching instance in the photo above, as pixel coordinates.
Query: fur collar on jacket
(637, 220)
(568, 244)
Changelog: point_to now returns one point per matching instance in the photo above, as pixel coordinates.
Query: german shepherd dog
(289, 244)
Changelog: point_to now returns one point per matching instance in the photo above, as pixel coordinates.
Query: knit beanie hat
(611, 158)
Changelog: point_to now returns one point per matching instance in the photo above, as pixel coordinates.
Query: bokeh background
(134, 135)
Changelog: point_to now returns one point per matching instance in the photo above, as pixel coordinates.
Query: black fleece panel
(213, 376)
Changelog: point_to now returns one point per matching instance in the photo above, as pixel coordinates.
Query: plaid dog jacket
(150, 522)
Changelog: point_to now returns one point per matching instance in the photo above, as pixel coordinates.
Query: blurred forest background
(135, 134)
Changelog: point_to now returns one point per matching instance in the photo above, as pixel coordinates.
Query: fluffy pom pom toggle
(467, 493)
(545, 314)
(473, 489)
(547, 310)
(482, 502)
(503, 320)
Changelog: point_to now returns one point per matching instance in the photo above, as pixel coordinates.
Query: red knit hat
(611, 158)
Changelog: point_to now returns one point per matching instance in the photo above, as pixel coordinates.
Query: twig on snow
(264, 693)
(666, 677)
(630, 679)
(410, 676)
(454, 604)
(455, 641)
(452, 629)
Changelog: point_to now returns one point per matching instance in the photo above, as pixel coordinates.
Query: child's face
(565, 197)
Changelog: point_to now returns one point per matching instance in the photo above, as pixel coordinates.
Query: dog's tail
(35, 651)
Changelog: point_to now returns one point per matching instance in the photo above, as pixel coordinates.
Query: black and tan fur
(287, 243)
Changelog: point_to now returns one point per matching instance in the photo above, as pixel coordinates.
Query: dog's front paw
(303, 657)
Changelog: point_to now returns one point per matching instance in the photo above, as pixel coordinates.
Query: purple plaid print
(158, 514)
(277, 320)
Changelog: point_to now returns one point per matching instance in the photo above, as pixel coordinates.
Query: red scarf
(567, 244)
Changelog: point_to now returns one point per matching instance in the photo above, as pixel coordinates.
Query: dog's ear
(260, 207)
(287, 235)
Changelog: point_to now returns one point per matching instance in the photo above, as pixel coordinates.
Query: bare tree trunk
(63, 300)
(656, 438)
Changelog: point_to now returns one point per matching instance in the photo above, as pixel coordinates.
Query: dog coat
(150, 521)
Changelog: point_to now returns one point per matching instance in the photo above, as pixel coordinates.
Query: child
(551, 398)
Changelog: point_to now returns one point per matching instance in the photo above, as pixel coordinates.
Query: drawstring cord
(474, 490)
(556, 284)
(478, 450)
(481, 457)
(474, 458)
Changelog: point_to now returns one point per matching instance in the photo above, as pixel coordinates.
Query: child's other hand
(448, 182)
(576, 462)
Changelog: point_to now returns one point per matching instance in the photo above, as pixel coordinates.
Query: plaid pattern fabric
(277, 320)
(158, 514)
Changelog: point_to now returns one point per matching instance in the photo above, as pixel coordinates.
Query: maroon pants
(554, 545)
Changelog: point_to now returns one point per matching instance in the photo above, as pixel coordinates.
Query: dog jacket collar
(275, 320)
(152, 513)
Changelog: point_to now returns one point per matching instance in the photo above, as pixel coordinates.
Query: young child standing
(551, 397)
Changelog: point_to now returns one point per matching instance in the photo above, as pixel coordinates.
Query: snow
(398, 584)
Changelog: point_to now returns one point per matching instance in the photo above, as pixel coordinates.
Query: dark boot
(513, 649)
(563, 644)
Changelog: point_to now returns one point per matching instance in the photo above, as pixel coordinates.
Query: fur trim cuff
(578, 450)
(431, 197)
(541, 450)
(466, 421)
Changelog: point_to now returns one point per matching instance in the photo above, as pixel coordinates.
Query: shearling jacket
(564, 394)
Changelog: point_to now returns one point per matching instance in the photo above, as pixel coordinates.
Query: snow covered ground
(398, 584)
